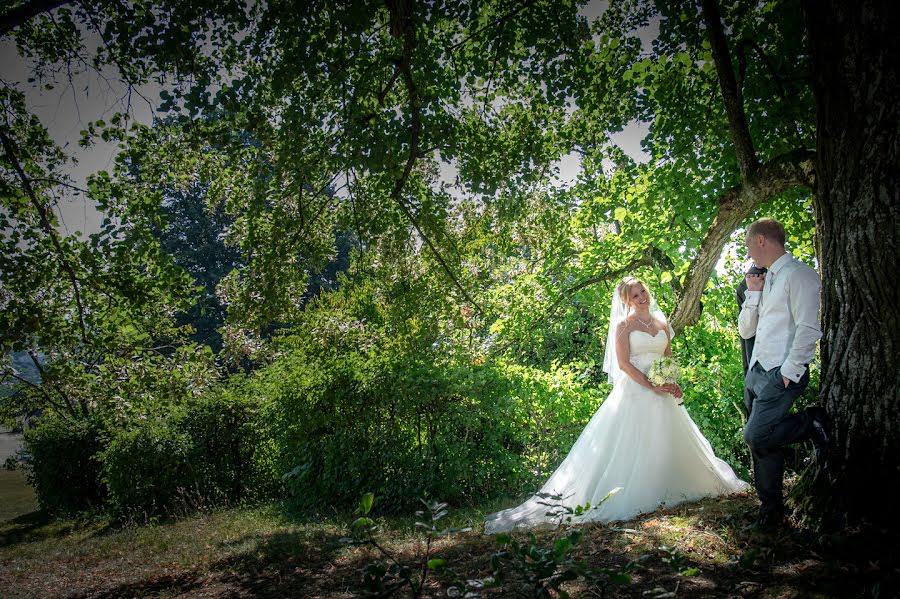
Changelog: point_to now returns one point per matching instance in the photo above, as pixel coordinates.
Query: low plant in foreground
(390, 574)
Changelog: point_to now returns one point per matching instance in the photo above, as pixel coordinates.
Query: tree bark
(731, 93)
(855, 51)
(794, 169)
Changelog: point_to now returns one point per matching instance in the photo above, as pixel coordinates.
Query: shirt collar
(781, 262)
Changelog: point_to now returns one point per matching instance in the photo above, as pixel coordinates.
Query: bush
(65, 468)
(231, 449)
(214, 449)
(147, 468)
(410, 426)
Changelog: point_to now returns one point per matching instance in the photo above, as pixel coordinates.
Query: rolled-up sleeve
(749, 316)
(804, 299)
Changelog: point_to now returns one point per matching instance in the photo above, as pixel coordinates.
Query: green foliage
(232, 452)
(147, 468)
(66, 463)
(373, 389)
(95, 314)
(391, 573)
(541, 570)
(713, 378)
(459, 356)
(212, 450)
(403, 426)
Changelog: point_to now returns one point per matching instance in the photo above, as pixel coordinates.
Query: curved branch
(652, 257)
(400, 11)
(784, 172)
(43, 213)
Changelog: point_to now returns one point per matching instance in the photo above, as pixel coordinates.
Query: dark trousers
(769, 428)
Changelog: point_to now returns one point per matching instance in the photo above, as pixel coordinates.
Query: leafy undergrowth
(702, 549)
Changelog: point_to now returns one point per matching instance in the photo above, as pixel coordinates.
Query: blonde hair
(768, 228)
(624, 290)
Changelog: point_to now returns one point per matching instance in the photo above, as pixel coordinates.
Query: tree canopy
(426, 140)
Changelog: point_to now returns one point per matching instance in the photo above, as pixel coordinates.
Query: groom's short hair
(768, 228)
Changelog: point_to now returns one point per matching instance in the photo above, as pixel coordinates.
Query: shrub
(410, 426)
(231, 450)
(147, 468)
(65, 468)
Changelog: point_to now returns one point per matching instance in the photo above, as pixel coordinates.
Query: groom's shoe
(820, 434)
(769, 519)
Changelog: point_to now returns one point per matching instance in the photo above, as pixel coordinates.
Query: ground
(702, 549)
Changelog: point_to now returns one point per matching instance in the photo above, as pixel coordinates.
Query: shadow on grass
(706, 549)
(162, 585)
(283, 564)
(28, 528)
(41, 525)
(674, 552)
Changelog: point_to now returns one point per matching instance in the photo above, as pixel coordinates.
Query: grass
(16, 497)
(703, 549)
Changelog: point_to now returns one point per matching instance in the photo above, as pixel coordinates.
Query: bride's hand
(670, 388)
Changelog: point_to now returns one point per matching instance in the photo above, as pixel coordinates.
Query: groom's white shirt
(784, 316)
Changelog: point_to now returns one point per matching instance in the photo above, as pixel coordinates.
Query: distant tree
(193, 234)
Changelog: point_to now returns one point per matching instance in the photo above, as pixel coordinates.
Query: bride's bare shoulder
(624, 326)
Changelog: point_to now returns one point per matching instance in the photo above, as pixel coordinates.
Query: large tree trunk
(854, 50)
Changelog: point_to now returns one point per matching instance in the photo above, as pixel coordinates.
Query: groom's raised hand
(755, 282)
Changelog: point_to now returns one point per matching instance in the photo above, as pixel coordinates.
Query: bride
(641, 445)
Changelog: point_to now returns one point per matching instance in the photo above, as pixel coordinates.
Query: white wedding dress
(639, 440)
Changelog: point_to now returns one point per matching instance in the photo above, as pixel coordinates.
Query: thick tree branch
(400, 11)
(47, 226)
(731, 94)
(794, 169)
(23, 13)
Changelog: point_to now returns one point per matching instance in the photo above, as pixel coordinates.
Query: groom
(781, 308)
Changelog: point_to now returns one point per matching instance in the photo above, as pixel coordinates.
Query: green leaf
(562, 546)
(366, 502)
(362, 523)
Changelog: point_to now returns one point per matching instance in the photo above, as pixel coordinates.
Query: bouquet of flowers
(664, 370)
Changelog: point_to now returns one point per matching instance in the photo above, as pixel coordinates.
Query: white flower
(664, 370)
